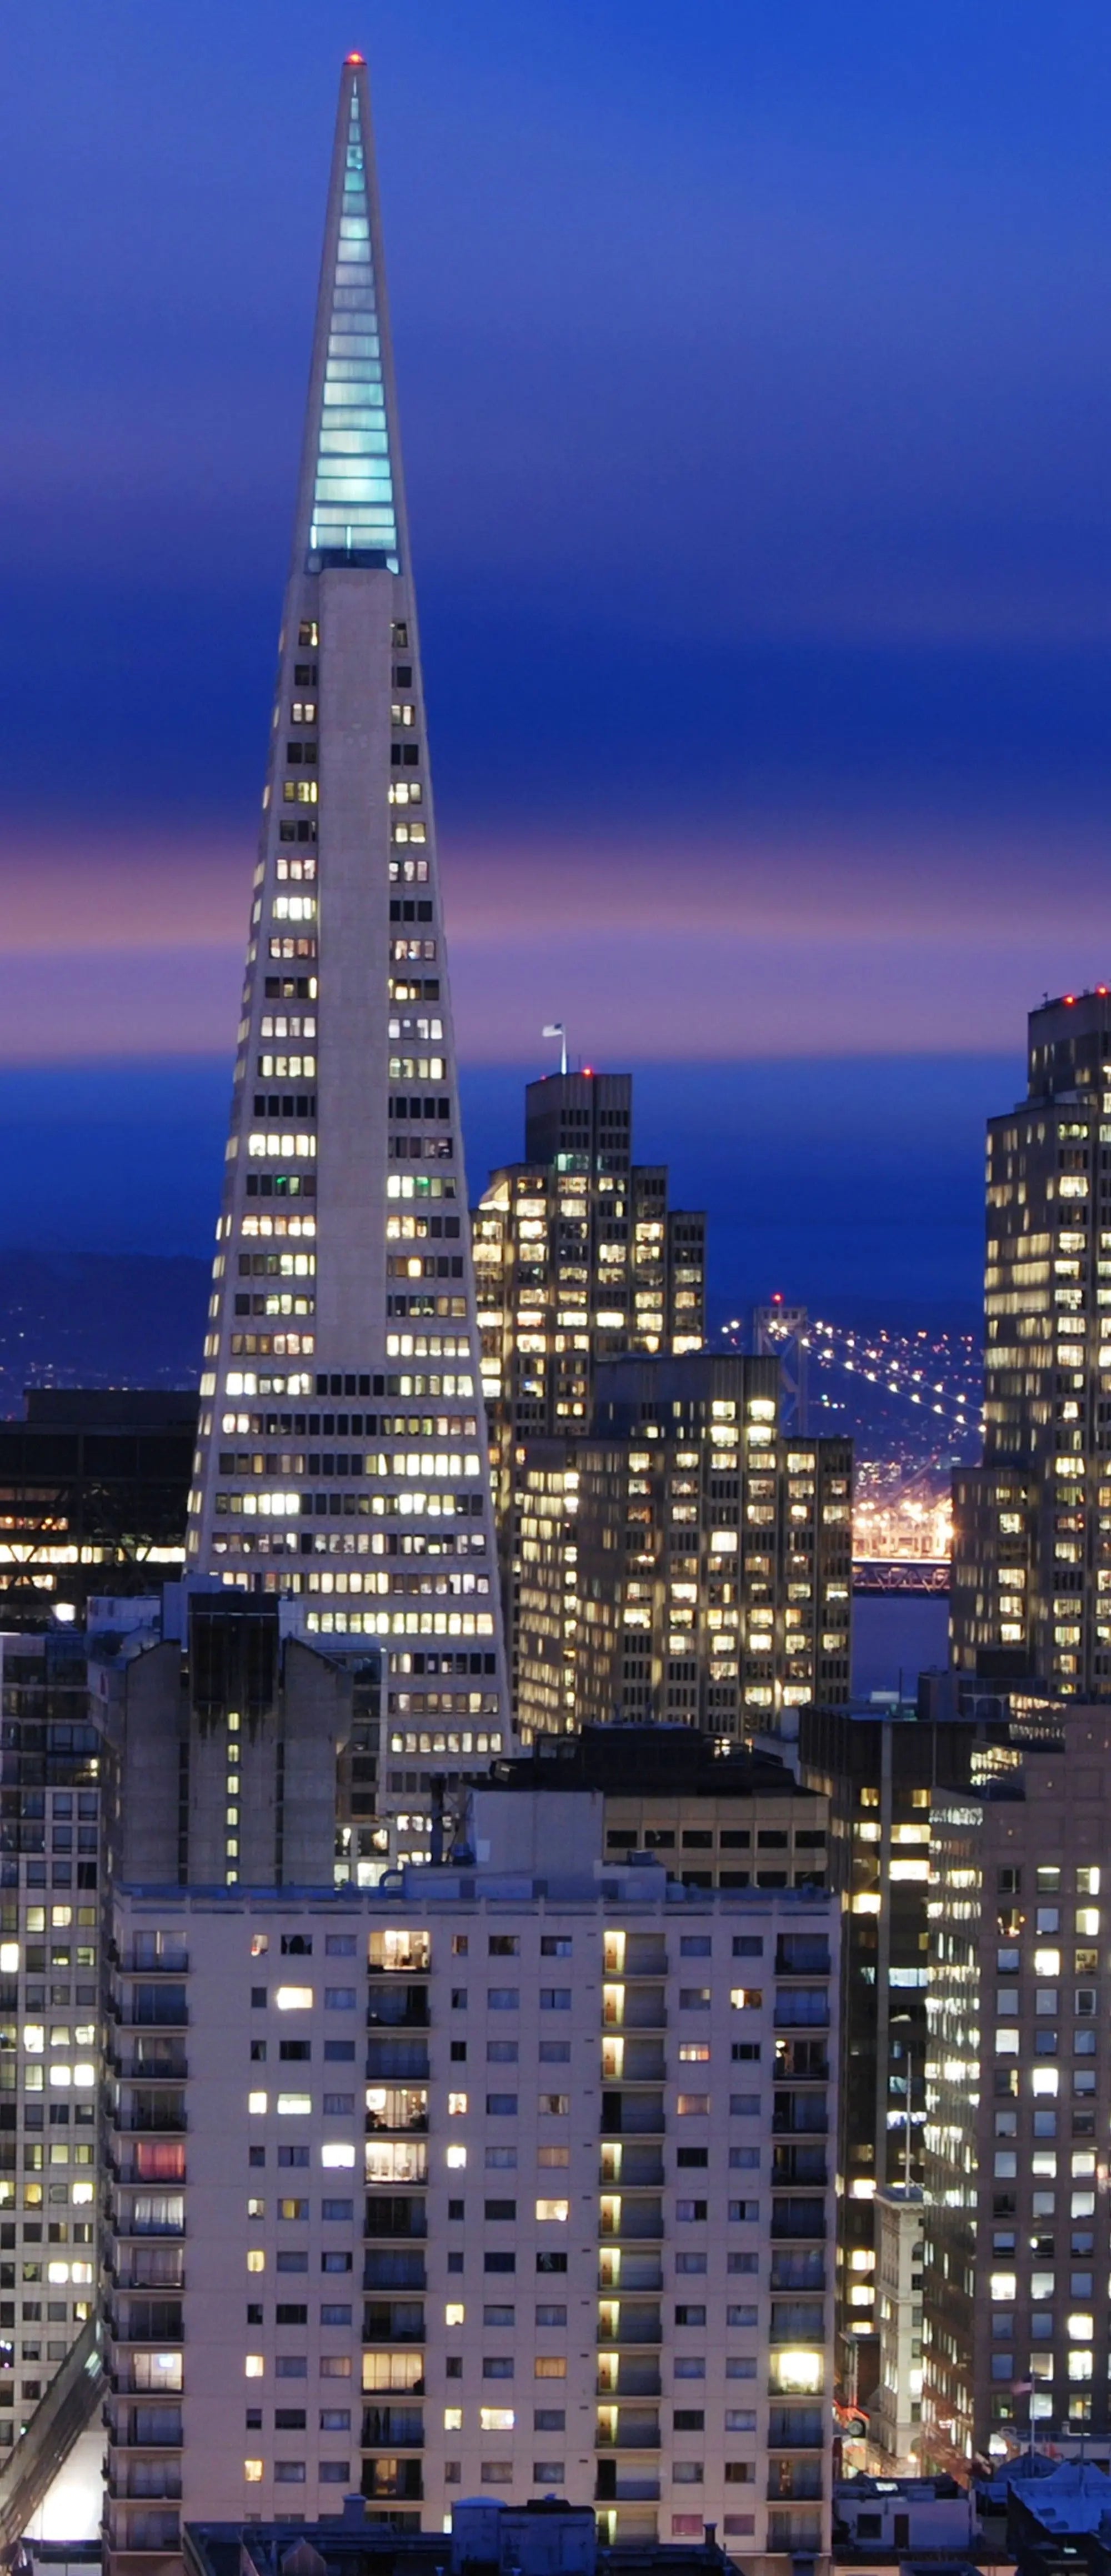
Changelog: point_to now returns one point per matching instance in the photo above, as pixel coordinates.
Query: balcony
(625, 2272)
(802, 1954)
(629, 2376)
(797, 2321)
(152, 2119)
(799, 2164)
(800, 2534)
(132, 2531)
(141, 2320)
(400, 1954)
(794, 2481)
(394, 2321)
(144, 2428)
(393, 2428)
(158, 2012)
(798, 2217)
(802, 2008)
(805, 2270)
(631, 2219)
(395, 2216)
(633, 2008)
(398, 2008)
(391, 2269)
(133, 2067)
(634, 2061)
(156, 2481)
(632, 2115)
(615, 2485)
(393, 2481)
(397, 2061)
(627, 2428)
(631, 2169)
(171, 1960)
(800, 2115)
(154, 2271)
(127, 2227)
(643, 1955)
(797, 2428)
(627, 2321)
(144, 2374)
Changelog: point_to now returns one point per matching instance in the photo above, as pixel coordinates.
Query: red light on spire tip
(356, 58)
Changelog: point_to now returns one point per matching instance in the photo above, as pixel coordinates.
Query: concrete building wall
(1019, 2100)
(555, 2229)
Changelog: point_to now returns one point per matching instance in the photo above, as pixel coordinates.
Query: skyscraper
(342, 1452)
(685, 1560)
(1032, 1526)
(1018, 2095)
(578, 1258)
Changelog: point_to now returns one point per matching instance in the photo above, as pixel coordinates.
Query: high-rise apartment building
(1019, 2095)
(561, 2219)
(342, 1460)
(686, 1560)
(51, 1894)
(578, 1258)
(1032, 1526)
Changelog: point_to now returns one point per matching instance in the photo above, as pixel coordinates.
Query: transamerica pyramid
(342, 1459)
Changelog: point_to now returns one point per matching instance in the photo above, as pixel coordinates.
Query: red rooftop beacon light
(356, 58)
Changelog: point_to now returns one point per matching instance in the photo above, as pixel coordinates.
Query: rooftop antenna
(555, 1029)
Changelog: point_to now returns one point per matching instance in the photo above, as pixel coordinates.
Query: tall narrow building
(342, 1457)
(1032, 1526)
(579, 1258)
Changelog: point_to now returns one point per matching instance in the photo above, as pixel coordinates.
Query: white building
(499, 2178)
(342, 1456)
(900, 2252)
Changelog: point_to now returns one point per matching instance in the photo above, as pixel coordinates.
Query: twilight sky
(755, 382)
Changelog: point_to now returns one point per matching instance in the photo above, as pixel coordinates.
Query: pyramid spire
(342, 1459)
(349, 508)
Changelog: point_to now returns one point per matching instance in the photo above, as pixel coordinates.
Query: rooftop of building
(110, 1408)
(1072, 2501)
(917, 2490)
(634, 1879)
(646, 1761)
(545, 2537)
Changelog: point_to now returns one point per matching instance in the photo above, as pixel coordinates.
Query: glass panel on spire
(353, 503)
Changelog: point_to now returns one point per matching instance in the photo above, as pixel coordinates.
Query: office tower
(686, 1560)
(1019, 2095)
(578, 1257)
(342, 1458)
(548, 2235)
(1032, 1526)
(93, 1490)
(50, 2039)
(712, 1816)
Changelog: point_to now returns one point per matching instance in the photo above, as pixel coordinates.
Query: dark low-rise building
(94, 1488)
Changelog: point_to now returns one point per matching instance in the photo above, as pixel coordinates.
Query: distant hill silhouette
(99, 1319)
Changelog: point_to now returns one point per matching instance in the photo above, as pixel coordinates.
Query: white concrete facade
(897, 2406)
(485, 2180)
(342, 1456)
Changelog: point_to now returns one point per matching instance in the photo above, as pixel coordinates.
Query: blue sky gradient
(756, 399)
